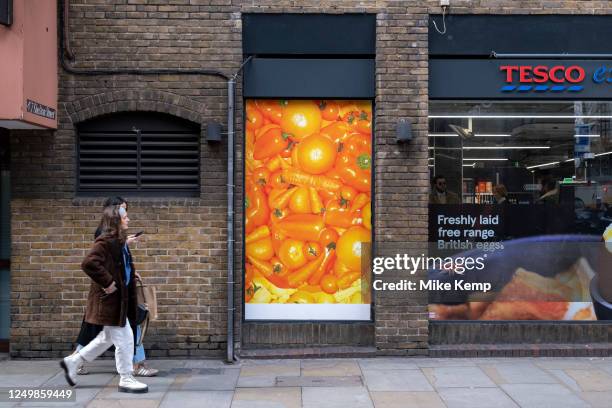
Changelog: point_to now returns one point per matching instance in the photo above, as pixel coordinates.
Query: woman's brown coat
(104, 264)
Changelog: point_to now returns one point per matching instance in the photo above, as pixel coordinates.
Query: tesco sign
(551, 78)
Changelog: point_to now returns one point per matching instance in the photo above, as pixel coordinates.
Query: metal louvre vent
(139, 152)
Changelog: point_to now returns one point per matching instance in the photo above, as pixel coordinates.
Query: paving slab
(387, 364)
(461, 377)
(476, 398)
(264, 372)
(404, 399)
(597, 399)
(396, 380)
(226, 381)
(197, 399)
(267, 398)
(591, 380)
(336, 397)
(543, 396)
(271, 368)
(100, 403)
(563, 378)
(324, 381)
(518, 373)
(330, 367)
(550, 363)
(211, 363)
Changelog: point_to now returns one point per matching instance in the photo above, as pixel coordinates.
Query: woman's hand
(132, 239)
(111, 288)
(137, 275)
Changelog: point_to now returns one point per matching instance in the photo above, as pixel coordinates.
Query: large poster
(308, 172)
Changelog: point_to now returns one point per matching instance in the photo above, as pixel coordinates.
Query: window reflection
(526, 153)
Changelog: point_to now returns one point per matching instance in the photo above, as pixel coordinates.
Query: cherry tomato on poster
(329, 284)
(328, 236)
(329, 110)
(313, 249)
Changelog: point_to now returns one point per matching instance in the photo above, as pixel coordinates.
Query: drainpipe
(231, 91)
(231, 96)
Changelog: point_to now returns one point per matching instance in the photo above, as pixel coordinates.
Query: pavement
(323, 383)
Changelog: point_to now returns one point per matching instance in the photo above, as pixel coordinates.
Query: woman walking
(90, 331)
(111, 302)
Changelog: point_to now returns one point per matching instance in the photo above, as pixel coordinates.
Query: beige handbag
(148, 297)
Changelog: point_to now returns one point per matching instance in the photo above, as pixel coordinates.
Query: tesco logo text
(558, 74)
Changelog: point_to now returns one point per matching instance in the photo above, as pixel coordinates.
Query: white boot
(70, 365)
(128, 383)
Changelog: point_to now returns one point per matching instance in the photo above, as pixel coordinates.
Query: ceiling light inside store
(485, 159)
(543, 165)
(603, 154)
(520, 117)
(475, 135)
(587, 135)
(506, 147)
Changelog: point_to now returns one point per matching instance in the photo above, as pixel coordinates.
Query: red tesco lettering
(541, 73)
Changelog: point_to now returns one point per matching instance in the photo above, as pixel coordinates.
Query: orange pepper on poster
(267, 270)
(261, 249)
(354, 163)
(272, 109)
(280, 198)
(315, 201)
(302, 274)
(305, 227)
(300, 201)
(259, 233)
(256, 207)
(330, 256)
(270, 143)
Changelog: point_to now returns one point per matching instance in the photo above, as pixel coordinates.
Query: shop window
(140, 152)
(527, 187)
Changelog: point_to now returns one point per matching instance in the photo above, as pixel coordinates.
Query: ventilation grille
(139, 161)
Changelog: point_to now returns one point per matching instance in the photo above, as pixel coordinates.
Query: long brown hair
(110, 224)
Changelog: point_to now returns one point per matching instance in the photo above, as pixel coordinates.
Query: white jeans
(122, 338)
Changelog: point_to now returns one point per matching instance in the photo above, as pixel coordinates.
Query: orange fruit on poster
(349, 246)
(301, 119)
(316, 154)
(291, 253)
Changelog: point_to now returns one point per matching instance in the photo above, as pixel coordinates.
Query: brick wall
(186, 254)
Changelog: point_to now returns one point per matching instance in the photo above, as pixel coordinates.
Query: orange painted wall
(28, 50)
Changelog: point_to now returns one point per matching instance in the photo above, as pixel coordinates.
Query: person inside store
(89, 331)
(500, 193)
(111, 302)
(440, 195)
(550, 191)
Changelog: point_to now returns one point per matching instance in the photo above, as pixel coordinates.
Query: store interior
(516, 152)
